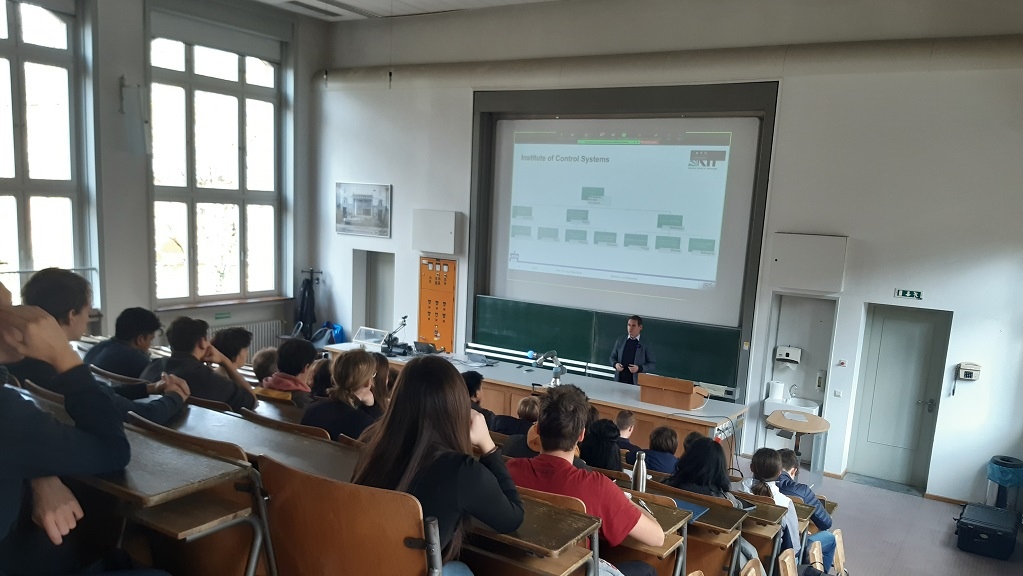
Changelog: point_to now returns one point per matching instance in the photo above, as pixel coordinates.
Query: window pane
(9, 243)
(216, 140)
(216, 63)
(260, 247)
(47, 115)
(52, 232)
(217, 248)
(170, 221)
(7, 169)
(259, 72)
(259, 145)
(168, 54)
(41, 27)
(168, 133)
(3, 34)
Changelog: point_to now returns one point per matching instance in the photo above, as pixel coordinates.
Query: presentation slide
(645, 216)
(644, 208)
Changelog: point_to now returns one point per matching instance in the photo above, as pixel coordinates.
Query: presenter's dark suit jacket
(645, 358)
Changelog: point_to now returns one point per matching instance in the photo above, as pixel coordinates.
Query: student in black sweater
(424, 445)
(351, 407)
(127, 353)
(37, 511)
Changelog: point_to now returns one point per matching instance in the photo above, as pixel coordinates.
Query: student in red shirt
(562, 424)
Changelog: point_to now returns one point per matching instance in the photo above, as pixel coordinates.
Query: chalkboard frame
(745, 99)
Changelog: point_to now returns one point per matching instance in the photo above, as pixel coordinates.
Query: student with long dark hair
(599, 448)
(423, 446)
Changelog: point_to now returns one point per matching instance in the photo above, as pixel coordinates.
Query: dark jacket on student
(660, 461)
(624, 444)
(337, 417)
(159, 410)
(117, 356)
(202, 381)
(510, 425)
(456, 485)
(37, 445)
(789, 487)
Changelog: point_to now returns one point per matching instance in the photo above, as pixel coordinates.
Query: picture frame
(363, 209)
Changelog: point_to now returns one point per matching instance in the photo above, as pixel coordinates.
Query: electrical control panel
(438, 283)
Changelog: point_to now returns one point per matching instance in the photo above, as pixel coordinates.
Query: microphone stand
(390, 341)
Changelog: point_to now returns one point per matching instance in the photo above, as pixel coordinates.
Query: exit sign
(914, 294)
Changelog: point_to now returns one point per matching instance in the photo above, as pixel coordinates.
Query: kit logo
(702, 159)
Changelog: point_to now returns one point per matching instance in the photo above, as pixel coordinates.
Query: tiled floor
(898, 534)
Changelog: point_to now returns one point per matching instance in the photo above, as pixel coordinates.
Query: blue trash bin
(1004, 482)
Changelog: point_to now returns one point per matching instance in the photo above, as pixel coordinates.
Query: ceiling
(344, 10)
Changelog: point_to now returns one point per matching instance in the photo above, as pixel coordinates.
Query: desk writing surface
(714, 413)
(546, 529)
(803, 511)
(158, 471)
(767, 513)
(671, 520)
(278, 411)
(322, 457)
(830, 506)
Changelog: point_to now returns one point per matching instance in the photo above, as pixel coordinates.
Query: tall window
(215, 165)
(39, 182)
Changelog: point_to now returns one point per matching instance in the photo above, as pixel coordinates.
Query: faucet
(791, 393)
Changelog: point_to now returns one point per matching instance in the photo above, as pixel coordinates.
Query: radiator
(264, 334)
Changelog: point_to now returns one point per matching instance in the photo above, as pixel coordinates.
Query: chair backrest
(112, 377)
(310, 431)
(816, 556)
(613, 474)
(795, 499)
(275, 396)
(687, 495)
(657, 476)
(323, 526)
(839, 553)
(349, 441)
(208, 404)
(40, 392)
(755, 498)
(752, 568)
(498, 438)
(559, 500)
(198, 443)
(655, 498)
(787, 563)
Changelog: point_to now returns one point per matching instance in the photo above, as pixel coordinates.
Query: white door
(901, 387)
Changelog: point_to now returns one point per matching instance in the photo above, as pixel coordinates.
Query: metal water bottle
(639, 473)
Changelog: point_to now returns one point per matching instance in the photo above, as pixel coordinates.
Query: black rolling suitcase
(987, 530)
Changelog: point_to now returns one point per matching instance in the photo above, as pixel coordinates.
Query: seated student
(127, 353)
(599, 448)
(689, 439)
(382, 382)
(788, 486)
(474, 382)
(424, 446)
(319, 379)
(626, 422)
(528, 411)
(37, 512)
(661, 455)
(352, 407)
(294, 363)
(562, 424)
(234, 344)
(68, 298)
(190, 350)
(766, 468)
(264, 363)
(702, 469)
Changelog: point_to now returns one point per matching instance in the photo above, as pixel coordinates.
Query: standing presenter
(630, 356)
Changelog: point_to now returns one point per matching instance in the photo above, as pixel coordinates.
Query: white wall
(909, 149)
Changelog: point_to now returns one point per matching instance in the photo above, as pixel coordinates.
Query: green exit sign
(914, 294)
(221, 315)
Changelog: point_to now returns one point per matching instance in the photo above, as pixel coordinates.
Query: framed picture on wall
(363, 209)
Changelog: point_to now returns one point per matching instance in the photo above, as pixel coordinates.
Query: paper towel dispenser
(789, 354)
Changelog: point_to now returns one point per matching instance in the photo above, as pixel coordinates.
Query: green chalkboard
(687, 350)
(528, 326)
(684, 350)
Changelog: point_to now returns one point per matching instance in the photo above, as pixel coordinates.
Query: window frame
(192, 195)
(21, 186)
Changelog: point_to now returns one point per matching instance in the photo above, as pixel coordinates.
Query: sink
(792, 404)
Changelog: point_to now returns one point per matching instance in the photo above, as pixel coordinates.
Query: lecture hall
(510, 287)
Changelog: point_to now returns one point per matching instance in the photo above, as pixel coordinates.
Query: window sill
(219, 303)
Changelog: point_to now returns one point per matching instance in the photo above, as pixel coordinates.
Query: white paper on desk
(794, 416)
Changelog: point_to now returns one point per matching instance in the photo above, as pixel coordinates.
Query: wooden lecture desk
(506, 383)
